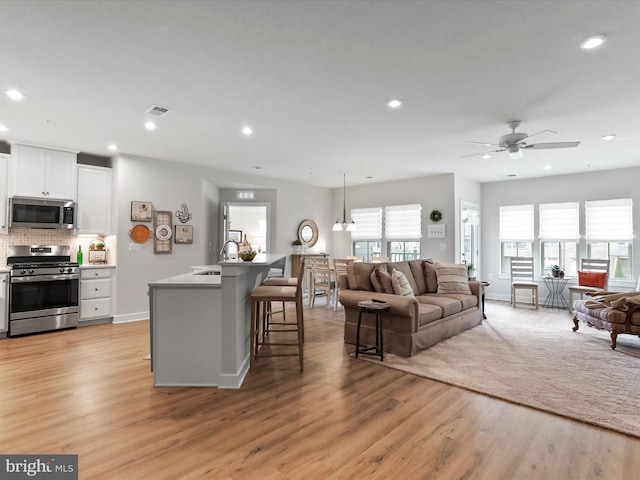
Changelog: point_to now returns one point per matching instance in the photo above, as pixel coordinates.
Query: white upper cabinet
(93, 207)
(4, 185)
(42, 173)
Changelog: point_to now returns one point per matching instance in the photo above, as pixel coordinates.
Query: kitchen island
(200, 323)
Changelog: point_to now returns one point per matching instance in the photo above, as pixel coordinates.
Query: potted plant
(555, 270)
(297, 246)
(470, 270)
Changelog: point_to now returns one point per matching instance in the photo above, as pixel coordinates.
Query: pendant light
(349, 226)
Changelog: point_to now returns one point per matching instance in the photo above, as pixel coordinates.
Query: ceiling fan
(515, 143)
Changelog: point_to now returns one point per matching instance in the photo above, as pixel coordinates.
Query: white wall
(602, 185)
(168, 185)
(433, 193)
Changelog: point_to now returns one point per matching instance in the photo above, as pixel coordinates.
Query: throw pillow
(430, 277)
(400, 284)
(359, 276)
(381, 281)
(453, 278)
(592, 279)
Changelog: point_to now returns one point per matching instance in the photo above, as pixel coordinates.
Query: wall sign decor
(162, 228)
(141, 211)
(436, 231)
(184, 234)
(183, 214)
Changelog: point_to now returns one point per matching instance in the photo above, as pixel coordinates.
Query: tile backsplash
(41, 236)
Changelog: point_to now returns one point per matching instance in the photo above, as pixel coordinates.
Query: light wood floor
(89, 392)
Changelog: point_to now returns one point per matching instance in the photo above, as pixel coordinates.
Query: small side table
(378, 309)
(555, 298)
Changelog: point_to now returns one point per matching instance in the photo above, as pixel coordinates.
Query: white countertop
(97, 265)
(206, 278)
(260, 260)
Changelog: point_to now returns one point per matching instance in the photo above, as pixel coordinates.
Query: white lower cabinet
(96, 303)
(4, 303)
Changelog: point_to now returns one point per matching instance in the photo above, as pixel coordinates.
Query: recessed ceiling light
(257, 167)
(592, 42)
(547, 167)
(247, 130)
(150, 126)
(394, 103)
(3, 128)
(610, 136)
(486, 155)
(113, 147)
(14, 94)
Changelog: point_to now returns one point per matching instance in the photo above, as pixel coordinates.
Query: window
(610, 234)
(559, 235)
(516, 234)
(403, 231)
(400, 233)
(367, 237)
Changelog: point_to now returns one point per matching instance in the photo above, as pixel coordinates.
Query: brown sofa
(614, 312)
(414, 323)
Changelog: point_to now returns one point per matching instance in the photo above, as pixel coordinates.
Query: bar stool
(378, 309)
(269, 313)
(260, 298)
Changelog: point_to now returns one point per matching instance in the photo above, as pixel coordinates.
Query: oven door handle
(46, 278)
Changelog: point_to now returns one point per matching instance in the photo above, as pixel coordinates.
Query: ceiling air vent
(157, 111)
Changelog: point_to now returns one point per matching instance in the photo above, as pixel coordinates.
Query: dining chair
(356, 258)
(322, 280)
(590, 265)
(379, 259)
(522, 279)
(339, 268)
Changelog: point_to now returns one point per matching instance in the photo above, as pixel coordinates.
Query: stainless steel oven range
(43, 289)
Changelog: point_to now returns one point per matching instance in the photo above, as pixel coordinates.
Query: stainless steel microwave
(41, 213)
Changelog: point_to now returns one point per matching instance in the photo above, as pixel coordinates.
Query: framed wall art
(183, 234)
(235, 235)
(141, 211)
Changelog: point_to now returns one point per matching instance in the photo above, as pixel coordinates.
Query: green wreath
(435, 216)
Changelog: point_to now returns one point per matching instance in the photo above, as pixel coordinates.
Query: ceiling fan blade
(552, 145)
(483, 153)
(486, 144)
(541, 131)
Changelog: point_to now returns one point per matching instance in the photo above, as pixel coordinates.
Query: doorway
(247, 219)
(470, 236)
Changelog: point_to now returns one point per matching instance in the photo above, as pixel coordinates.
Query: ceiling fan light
(516, 154)
(592, 42)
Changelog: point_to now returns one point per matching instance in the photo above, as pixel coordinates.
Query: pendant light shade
(350, 225)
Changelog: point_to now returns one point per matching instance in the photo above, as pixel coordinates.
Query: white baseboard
(131, 317)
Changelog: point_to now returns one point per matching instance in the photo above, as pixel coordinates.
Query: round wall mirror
(308, 233)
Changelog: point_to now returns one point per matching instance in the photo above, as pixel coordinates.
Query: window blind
(609, 220)
(516, 223)
(403, 222)
(559, 221)
(368, 223)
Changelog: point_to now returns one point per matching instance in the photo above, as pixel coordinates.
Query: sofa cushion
(359, 275)
(381, 280)
(449, 306)
(428, 313)
(406, 270)
(453, 278)
(400, 284)
(430, 277)
(417, 273)
(466, 301)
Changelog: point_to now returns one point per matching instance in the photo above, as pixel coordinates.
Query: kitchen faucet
(222, 252)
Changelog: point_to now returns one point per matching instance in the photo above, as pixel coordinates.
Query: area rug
(572, 374)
